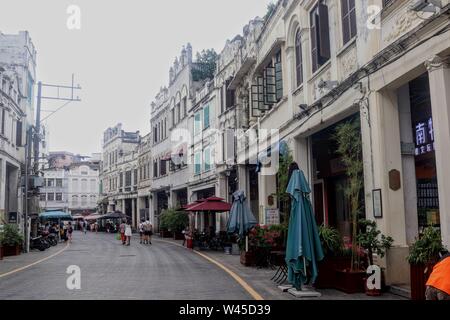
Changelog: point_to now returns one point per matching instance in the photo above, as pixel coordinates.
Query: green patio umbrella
(303, 249)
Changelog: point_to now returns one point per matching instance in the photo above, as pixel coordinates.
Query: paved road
(112, 271)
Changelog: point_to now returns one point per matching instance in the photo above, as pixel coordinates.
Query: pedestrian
(128, 232)
(147, 232)
(185, 235)
(122, 232)
(84, 227)
(438, 284)
(69, 231)
(141, 231)
(96, 227)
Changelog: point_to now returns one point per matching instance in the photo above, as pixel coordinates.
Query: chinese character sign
(424, 137)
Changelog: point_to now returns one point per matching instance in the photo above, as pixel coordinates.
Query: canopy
(303, 249)
(187, 206)
(93, 217)
(211, 204)
(241, 217)
(55, 215)
(113, 215)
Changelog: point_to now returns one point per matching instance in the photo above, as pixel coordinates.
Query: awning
(212, 204)
(114, 215)
(93, 217)
(55, 215)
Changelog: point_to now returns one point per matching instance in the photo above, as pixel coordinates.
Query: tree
(349, 147)
(270, 10)
(205, 65)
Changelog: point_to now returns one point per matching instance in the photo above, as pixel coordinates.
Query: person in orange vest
(438, 284)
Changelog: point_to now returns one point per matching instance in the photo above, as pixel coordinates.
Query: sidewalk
(9, 264)
(259, 279)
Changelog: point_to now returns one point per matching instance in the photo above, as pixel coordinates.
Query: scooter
(37, 243)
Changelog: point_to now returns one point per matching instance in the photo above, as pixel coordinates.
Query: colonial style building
(17, 77)
(286, 83)
(119, 171)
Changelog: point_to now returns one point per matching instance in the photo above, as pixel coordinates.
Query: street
(112, 271)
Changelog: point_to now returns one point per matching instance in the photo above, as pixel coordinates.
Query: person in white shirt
(128, 233)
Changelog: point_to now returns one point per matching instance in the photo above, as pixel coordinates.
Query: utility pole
(34, 137)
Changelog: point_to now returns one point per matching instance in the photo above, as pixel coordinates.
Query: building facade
(17, 78)
(119, 172)
(287, 83)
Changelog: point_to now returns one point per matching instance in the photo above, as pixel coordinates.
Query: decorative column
(439, 75)
(133, 213)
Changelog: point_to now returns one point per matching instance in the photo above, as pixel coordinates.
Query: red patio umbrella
(211, 204)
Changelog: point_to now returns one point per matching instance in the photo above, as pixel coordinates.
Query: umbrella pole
(246, 243)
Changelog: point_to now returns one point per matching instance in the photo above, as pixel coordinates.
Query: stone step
(401, 290)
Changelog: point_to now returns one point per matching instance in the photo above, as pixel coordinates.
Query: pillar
(439, 75)
(382, 150)
(408, 164)
(133, 213)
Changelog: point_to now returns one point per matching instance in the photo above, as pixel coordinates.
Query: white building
(54, 193)
(17, 78)
(119, 172)
(83, 187)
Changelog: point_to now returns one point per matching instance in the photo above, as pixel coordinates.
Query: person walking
(141, 231)
(84, 227)
(128, 233)
(122, 232)
(69, 231)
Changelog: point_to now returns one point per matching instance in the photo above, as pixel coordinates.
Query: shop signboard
(272, 216)
(424, 137)
(12, 217)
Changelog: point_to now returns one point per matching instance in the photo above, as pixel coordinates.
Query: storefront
(424, 153)
(331, 205)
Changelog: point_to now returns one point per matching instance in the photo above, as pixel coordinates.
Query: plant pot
(9, 251)
(350, 281)
(248, 258)
(419, 277)
(166, 234)
(1, 253)
(327, 270)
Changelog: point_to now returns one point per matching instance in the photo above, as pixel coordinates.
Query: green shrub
(427, 247)
(11, 235)
(332, 243)
(173, 220)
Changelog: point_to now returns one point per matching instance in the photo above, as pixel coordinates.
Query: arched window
(298, 58)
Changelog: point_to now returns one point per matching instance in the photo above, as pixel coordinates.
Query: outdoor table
(277, 258)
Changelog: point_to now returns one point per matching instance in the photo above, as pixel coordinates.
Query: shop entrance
(331, 205)
(424, 150)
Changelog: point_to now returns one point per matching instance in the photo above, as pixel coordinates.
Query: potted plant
(424, 254)
(349, 146)
(371, 240)
(165, 222)
(11, 240)
(332, 246)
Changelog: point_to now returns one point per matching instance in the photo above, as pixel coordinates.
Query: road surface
(112, 271)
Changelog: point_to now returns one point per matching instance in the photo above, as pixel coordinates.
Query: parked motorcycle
(37, 243)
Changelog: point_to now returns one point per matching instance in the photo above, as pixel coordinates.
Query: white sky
(120, 57)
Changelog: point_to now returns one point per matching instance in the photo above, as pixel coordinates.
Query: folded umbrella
(303, 249)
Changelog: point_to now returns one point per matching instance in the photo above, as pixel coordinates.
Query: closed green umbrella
(241, 217)
(303, 249)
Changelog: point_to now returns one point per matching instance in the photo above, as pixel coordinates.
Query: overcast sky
(121, 55)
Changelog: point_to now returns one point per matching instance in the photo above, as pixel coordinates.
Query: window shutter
(19, 133)
(324, 32)
(270, 89)
(314, 41)
(279, 81)
(258, 97)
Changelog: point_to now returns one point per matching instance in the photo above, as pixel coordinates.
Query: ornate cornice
(437, 62)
